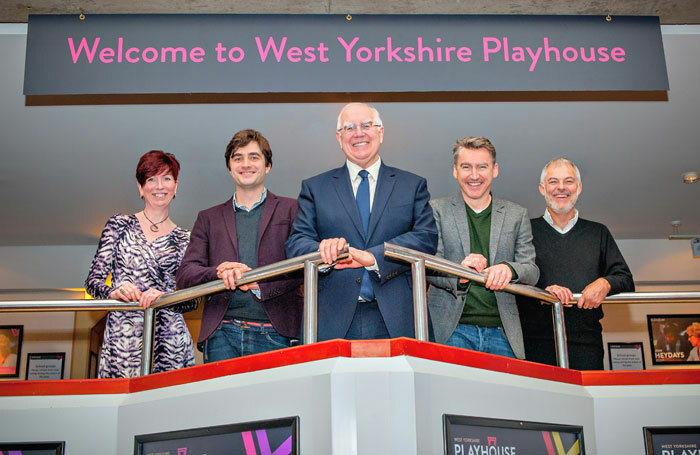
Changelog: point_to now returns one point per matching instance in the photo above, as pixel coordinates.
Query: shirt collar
(237, 207)
(572, 222)
(354, 169)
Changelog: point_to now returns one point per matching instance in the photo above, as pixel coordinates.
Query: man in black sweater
(574, 255)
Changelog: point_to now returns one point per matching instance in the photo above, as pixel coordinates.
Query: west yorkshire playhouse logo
(553, 445)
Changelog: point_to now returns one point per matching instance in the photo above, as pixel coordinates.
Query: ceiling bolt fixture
(675, 224)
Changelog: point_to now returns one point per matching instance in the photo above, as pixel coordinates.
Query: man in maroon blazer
(247, 231)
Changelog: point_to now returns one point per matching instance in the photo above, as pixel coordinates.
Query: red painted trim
(641, 377)
(481, 360)
(257, 362)
(64, 387)
(352, 349)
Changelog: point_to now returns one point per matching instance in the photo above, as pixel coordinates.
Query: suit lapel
(269, 207)
(497, 218)
(341, 182)
(230, 222)
(461, 224)
(385, 185)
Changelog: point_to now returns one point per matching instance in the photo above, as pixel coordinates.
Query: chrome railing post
(310, 330)
(420, 300)
(560, 334)
(149, 323)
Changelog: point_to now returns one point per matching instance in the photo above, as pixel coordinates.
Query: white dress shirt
(572, 222)
(355, 179)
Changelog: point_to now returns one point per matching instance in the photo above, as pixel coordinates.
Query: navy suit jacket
(213, 241)
(400, 214)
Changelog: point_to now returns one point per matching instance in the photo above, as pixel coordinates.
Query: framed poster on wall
(45, 366)
(674, 338)
(626, 356)
(10, 350)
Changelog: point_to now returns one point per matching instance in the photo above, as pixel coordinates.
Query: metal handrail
(650, 297)
(308, 262)
(419, 259)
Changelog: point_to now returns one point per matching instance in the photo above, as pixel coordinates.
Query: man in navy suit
(364, 203)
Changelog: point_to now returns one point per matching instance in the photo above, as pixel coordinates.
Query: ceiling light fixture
(690, 177)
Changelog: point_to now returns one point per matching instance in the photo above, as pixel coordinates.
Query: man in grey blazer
(490, 235)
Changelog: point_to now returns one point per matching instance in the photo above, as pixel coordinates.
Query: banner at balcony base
(465, 435)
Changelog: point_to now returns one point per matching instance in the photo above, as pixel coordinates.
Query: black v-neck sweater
(574, 260)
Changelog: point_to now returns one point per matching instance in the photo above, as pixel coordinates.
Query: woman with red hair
(142, 252)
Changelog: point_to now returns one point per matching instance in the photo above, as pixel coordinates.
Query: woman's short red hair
(156, 162)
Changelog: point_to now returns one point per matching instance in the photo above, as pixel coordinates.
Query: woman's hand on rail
(148, 297)
(125, 292)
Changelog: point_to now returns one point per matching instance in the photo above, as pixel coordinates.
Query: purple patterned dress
(124, 251)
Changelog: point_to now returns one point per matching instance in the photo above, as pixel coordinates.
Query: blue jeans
(491, 340)
(231, 340)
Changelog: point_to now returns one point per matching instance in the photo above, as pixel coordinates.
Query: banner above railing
(123, 54)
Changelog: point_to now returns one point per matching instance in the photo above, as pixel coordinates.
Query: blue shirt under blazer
(400, 214)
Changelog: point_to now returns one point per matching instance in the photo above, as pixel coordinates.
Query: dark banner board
(163, 53)
(672, 440)
(675, 338)
(465, 435)
(32, 448)
(277, 436)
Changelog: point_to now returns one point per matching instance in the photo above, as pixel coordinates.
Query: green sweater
(480, 306)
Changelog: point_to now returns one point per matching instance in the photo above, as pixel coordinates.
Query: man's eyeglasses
(364, 127)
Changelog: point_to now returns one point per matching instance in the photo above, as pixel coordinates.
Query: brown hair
(245, 137)
(473, 143)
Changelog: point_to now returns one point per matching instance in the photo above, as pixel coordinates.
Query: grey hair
(376, 114)
(559, 161)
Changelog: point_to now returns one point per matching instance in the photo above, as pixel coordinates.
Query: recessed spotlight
(690, 177)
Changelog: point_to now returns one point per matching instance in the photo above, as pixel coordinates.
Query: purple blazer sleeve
(196, 267)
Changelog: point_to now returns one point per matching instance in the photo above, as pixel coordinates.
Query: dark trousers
(581, 356)
(367, 323)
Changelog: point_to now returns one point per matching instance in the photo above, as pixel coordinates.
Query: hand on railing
(148, 297)
(560, 292)
(125, 292)
(231, 273)
(451, 268)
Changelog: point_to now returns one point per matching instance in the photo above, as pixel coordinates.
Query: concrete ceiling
(64, 169)
(670, 12)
